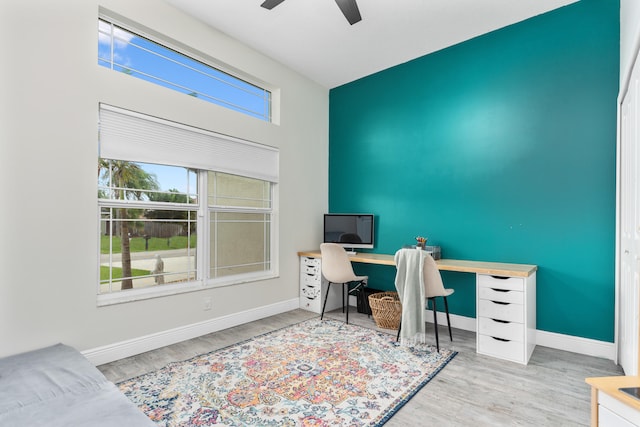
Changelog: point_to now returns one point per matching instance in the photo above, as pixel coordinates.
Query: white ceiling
(313, 37)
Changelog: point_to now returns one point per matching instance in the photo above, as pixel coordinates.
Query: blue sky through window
(129, 53)
(169, 179)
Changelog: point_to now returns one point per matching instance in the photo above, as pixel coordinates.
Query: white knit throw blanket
(410, 286)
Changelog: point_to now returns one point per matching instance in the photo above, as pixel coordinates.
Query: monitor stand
(350, 251)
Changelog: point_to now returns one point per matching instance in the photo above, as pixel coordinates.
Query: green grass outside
(117, 273)
(155, 244)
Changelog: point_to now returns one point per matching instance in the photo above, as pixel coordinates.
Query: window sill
(147, 293)
(238, 280)
(133, 295)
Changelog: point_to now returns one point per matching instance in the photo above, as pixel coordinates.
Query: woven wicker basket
(386, 309)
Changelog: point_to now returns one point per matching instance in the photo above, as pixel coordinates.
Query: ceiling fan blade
(270, 4)
(350, 10)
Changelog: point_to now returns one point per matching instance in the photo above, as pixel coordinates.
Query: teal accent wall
(501, 148)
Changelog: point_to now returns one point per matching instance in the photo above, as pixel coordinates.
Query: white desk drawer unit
(310, 284)
(506, 316)
(313, 287)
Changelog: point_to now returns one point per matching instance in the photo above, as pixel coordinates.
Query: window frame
(267, 172)
(203, 248)
(140, 31)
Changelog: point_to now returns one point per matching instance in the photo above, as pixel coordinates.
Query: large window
(128, 52)
(180, 208)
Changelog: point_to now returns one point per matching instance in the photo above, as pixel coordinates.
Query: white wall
(629, 35)
(50, 87)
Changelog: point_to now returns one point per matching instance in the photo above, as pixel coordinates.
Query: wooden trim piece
(490, 268)
(594, 407)
(462, 266)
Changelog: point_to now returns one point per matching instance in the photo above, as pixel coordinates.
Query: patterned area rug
(315, 373)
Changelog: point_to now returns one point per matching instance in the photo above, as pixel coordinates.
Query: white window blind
(130, 136)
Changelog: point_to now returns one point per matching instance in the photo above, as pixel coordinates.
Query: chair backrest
(336, 266)
(433, 286)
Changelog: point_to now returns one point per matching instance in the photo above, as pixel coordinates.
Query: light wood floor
(472, 390)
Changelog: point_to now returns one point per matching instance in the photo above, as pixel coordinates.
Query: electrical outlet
(206, 305)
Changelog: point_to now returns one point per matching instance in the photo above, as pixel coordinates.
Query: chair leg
(399, 329)
(347, 289)
(446, 309)
(326, 297)
(356, 288)
(435, 322)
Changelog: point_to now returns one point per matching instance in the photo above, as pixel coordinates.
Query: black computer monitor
(349, 230)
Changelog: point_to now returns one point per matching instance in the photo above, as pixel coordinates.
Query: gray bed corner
(57, 386)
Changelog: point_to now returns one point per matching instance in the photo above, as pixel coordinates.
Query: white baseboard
(606, 350)
(120, 350)
(459, 322)
(586, 346)
(589, 347)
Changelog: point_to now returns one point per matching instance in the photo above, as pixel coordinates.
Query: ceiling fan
(349, 8)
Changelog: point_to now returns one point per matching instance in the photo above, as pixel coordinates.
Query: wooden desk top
(610, 386)
(478, 267)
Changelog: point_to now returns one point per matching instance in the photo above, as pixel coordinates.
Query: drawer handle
(310, 274)
(500, 321)
(500, 302)
(500, 290)
(501, 339)
(500, 277)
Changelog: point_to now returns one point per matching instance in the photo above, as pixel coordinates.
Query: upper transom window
(125, 51)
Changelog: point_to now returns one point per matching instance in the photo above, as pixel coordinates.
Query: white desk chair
(433, 288)
(337, 268)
